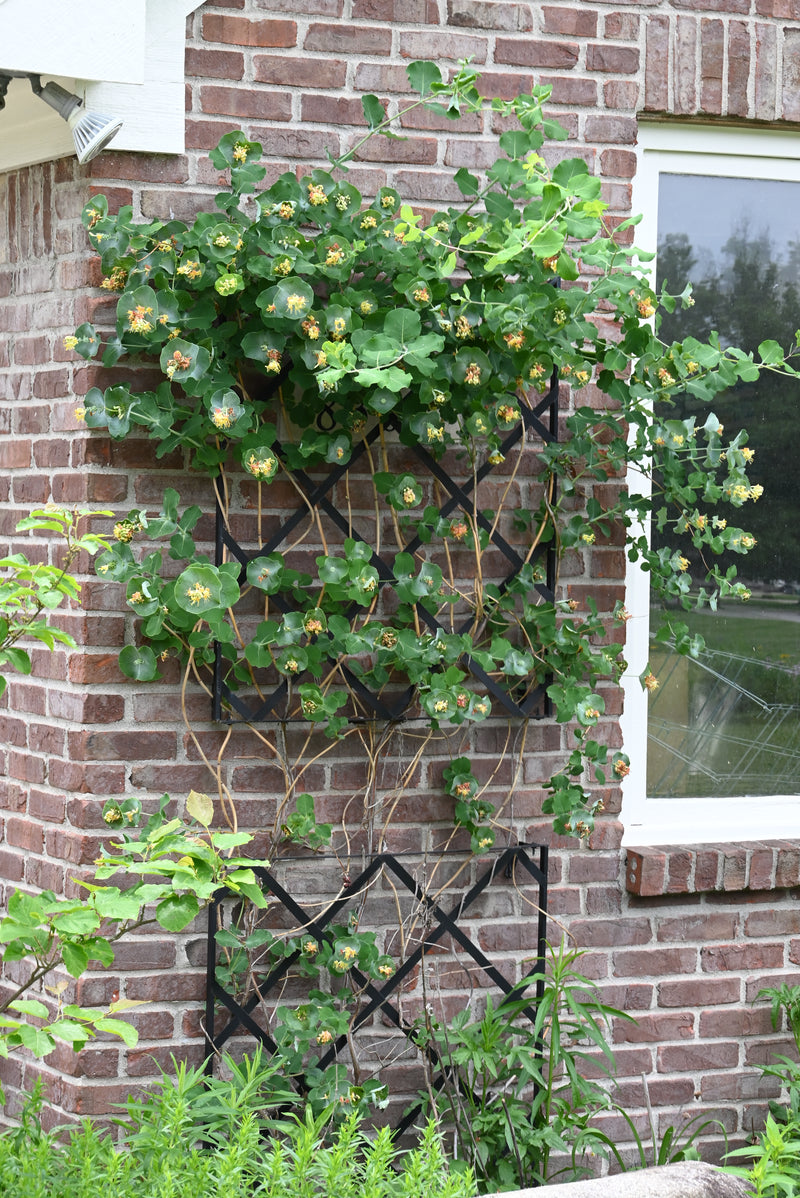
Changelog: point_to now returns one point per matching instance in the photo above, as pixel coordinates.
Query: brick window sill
(676, 869)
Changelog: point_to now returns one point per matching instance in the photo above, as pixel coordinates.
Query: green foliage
(784, 1000)
(337, 316)
(29, 591)
(162, 1152)
(174, 867)
(518, 1089)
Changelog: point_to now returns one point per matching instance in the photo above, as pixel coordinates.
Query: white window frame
(728, 152)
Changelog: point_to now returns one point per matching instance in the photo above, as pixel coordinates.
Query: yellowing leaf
(200, 807)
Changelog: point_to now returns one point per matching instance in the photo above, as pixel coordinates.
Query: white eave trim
(149, 94)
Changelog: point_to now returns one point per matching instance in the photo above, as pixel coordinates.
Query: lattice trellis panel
(228, 1016)
(540, 421)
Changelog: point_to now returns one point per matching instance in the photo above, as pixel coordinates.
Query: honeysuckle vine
(303, 326)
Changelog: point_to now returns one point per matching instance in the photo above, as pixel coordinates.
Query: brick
(704, 926)
(611, 128)
(15, 454)
(572, 22)
(697, 1058)
(527, 52)
(421, 12)
(303, 72)
(772, 921)
(727, 957)
(654, 962)
(712, 62)
(684, 65)
(787, 872)
(656, 85)
(621, 94)
(655, 1028)
(621, 163)
(245, 102)
(242, 31)
(790, 86)
(150, 168)
(622, 25)
(693, 992)
(572, 90)
(646, 871)
(22, 834)
(617, 60)
(214, 64)
(706, 870)
(738, 67)
(601, 932)
(122, 745)
(487, 14)
(347, 39)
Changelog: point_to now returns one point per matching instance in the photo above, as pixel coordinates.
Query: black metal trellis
(227, 704)
(439, 923)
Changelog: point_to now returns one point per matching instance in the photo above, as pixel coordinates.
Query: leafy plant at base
(161, 1154)
(331, 317)
(515, 1094)
(175, 866)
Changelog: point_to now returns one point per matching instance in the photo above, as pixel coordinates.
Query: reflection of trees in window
(748, 294)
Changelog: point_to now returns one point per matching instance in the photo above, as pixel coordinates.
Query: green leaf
(422, 76)
(403, 325)
(467, 184)
(118, 1027)
(30, 1006)
(138, 663)
(771, 353)
(374, 114)
(176, 911)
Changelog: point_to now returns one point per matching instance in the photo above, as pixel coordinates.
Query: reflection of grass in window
(708, 735)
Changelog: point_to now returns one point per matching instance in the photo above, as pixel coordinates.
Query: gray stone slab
(688, 1179)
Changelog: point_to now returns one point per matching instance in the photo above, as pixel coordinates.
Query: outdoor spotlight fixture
(91, 131)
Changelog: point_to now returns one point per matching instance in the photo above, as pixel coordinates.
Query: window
(722, 733)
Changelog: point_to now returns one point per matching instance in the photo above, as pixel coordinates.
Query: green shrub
(162, 1154)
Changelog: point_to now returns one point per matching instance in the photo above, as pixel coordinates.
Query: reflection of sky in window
(708, 209)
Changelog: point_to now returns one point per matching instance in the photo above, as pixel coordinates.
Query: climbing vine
(304, 329)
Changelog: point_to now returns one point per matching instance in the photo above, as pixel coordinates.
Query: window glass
(728, 724)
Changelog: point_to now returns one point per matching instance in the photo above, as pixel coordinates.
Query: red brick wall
(687, 954)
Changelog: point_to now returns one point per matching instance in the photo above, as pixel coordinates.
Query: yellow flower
(198, 594)
(683, 564)
(588, 538)
(472, 374)
(324, 1037)
(409, 497)
(80, 413)
(651, 683)
(137, 319)
(386, 970)
(440, 705)
(70, 342)
(296, 303)
(316, 194)
(240, 152)
(260, 467)
(222, 417)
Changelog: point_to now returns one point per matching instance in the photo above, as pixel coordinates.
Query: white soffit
(80, 39)
(149, 96)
